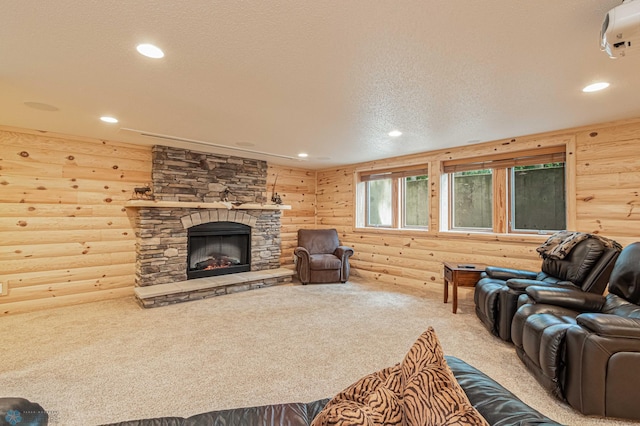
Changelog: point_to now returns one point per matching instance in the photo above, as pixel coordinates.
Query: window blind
(398, 172)
(552, 154)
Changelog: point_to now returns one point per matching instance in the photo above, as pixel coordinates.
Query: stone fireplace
(190, 243)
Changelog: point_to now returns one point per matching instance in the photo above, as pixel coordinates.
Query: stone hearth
(201, 288)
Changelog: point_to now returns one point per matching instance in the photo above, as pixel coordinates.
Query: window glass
(379, 203)
(538, 197)
(472, 199)
(416, 201)
(395, 198)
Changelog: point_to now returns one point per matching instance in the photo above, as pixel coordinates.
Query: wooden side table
(459, 274)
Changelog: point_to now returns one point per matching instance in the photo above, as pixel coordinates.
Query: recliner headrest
(575, 267)
(625, 277)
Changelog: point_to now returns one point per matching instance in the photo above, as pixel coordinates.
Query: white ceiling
(326, 77)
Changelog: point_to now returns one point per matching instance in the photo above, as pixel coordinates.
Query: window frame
(398, 195)
(510, 174)
(367, 216)
(402, 183)
(502, 192)
(451, 208)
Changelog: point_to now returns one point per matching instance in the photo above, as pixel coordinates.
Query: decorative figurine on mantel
(142, 193)
(224, 195)
(275, 198)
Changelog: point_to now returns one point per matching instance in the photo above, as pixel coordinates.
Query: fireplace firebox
(218, 248)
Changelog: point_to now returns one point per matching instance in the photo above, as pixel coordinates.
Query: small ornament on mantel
(142, 193)
(275, 197)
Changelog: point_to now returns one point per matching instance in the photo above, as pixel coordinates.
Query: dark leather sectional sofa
(496, 404)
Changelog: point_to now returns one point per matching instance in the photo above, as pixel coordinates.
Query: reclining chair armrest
(301, 253)
(506, 273)
(302, 264)
(520, 284)
(567, 298)
(610, 325)
(342, 252)
(525, 299)
(566, 284)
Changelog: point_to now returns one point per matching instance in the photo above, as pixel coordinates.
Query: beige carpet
(112, 361)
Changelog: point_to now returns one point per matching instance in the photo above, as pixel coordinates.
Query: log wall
(297, 188)
(65, 235)
(66, 238)
(603, 167)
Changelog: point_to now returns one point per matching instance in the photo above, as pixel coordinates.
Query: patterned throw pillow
(425, 351)
(421, 390)
(372, 400)
(432, 395)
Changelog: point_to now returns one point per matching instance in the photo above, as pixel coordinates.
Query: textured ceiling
(326, 77)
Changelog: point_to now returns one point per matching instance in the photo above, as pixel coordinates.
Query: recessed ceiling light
(41, 106)
(107, 119)
(150, 51)
(596, 86)
(303, 155)
(395, 133)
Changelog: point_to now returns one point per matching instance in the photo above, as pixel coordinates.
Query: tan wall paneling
(66, 238)
(65, 235)
(297, 188)
(608, 180)
(603, 173)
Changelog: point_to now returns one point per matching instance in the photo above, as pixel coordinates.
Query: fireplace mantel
(198, 205)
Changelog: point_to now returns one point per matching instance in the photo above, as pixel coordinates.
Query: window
(472, 200)
(521, 192)
(415, 191)
(394, 198)
(380, 202)
(538, 197)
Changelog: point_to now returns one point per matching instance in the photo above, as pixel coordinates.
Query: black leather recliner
(586, 267)
(585, 348)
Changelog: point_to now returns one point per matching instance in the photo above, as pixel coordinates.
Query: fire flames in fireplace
(216, 262)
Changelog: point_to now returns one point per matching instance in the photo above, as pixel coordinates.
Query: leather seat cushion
(322, 262)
